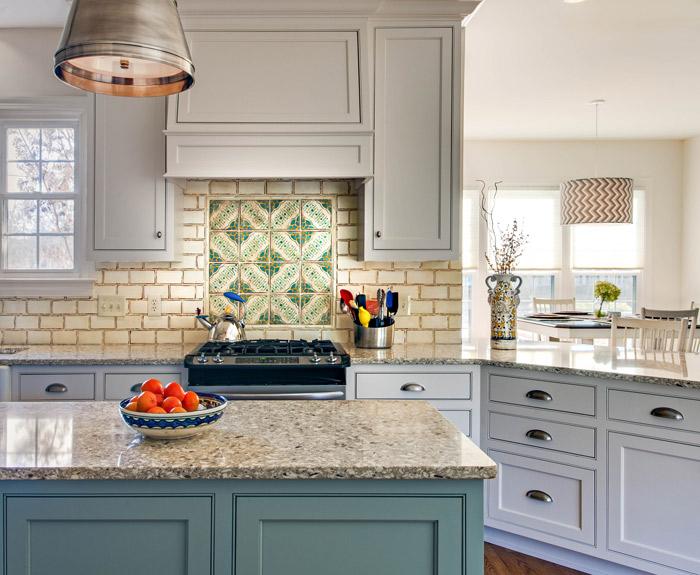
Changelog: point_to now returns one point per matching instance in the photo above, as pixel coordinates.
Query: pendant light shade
(597, 201)
(124, 48)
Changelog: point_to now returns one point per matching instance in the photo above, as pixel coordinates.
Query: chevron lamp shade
(597, 201)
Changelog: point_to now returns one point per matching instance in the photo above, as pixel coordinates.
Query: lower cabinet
(653, 506)
(108, 535)
(348, 535)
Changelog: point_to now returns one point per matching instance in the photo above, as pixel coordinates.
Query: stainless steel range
(269, 369)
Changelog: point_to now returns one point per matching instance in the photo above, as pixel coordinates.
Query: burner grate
(256, 347)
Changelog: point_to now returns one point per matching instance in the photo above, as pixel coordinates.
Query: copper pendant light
(597, 200)
(124, 48)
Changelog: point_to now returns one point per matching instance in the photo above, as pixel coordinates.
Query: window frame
(45, 112)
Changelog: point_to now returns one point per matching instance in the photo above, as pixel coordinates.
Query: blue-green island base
(237, 527)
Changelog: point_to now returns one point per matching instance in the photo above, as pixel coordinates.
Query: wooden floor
(500, 561)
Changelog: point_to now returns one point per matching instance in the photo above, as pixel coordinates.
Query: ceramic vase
(504, 298)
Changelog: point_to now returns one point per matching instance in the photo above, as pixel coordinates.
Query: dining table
(561, 327)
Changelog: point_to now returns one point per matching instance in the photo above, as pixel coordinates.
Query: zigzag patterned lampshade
(597, 201)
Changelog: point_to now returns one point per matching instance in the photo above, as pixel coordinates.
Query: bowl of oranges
(169, 412)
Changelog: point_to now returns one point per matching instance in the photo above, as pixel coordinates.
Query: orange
(174, 389)
(190, 401)
(156, 409)
(133, 406)
(146, 401)
(171, 402)
(159, 399)
(152, 385)
(178, 410)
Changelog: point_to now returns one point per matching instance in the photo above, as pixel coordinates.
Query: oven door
(280, 392)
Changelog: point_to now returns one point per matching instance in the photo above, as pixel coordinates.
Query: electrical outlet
(154, 306)
(404, 305)
(111, 305)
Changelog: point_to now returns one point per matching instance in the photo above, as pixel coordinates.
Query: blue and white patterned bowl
(176, 425)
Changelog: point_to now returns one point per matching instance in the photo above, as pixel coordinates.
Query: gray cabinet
(132, 209)
(108, 535)
(411, 208)
(653, 506)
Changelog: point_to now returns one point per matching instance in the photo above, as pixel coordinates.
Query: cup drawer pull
(56, 388)
(667, 413)
(415, 387)
(538, 495)
(539, 395)
(539, 435)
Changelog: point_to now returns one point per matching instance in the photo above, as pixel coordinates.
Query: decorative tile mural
(276, 253)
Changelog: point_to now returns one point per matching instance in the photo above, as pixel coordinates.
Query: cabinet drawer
(121, 385)
(461, 419)
(63, 386)
(657, 410)
(543, 496)
(543, 434)
(552, 395)
(413, 385)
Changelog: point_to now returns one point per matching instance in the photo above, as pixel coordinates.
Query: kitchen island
(305, 487)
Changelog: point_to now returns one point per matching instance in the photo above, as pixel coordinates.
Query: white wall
(26, 61)
(690, 280)
(656, 166)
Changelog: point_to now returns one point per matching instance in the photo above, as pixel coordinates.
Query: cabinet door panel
(413, 135)
(108, 535)
(654, 510)
(349, 535)
(121, 385)
(129, 204)
(273, 77)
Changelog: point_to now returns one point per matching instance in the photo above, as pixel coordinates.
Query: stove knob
(218, 358)
(202, 358)
(332, 358)
(315, 358)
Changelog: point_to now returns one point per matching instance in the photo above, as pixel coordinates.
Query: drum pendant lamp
(597, 200)
(124, 48)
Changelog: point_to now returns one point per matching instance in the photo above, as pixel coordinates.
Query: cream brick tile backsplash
(434, 287)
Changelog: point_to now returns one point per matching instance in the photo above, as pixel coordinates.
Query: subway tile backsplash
(299, 303)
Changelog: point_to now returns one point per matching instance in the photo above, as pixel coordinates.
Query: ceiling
(533, 66)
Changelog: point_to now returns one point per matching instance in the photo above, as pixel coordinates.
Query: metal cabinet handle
(378, 234)
(159, 235)
(56, 388)
(667, 413)
(412, 387)
(538, 495)
(538, 434)
(134, 388)
(539, 395)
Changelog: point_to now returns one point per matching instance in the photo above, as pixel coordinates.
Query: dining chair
(544, 305)
(649, 334)
(692, 342)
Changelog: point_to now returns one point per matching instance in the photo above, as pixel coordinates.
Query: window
(584, 284)
(39, 196)
(535, 285)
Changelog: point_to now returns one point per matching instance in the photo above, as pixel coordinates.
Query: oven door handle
(276, 395)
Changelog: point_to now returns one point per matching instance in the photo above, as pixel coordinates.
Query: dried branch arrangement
(506, 244)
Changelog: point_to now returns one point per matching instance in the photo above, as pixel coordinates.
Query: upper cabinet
(132, 208)
(411, 208)
(269, 77)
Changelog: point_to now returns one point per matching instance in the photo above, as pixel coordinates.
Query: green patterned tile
(255, 278)
(316, 214)
(284, 278)
(255, 215)
(257, 309)
(316, 246)
(254, 246)
(285, 214)
(223, 277)
(316, 309)
(223, 214)
(316, 277)
(285, 246)
(217, 304)
(223, 246)
(284, 309)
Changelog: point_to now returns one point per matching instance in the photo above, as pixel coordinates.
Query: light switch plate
(404, 306)
(111, 305)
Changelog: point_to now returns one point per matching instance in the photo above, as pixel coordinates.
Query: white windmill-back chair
(543, 305)
(649, 334)
(692, 342)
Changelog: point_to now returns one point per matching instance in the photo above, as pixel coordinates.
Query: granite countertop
(142, 354)
(253, 440)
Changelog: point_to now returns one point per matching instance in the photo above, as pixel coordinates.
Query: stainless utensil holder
(374, 337)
